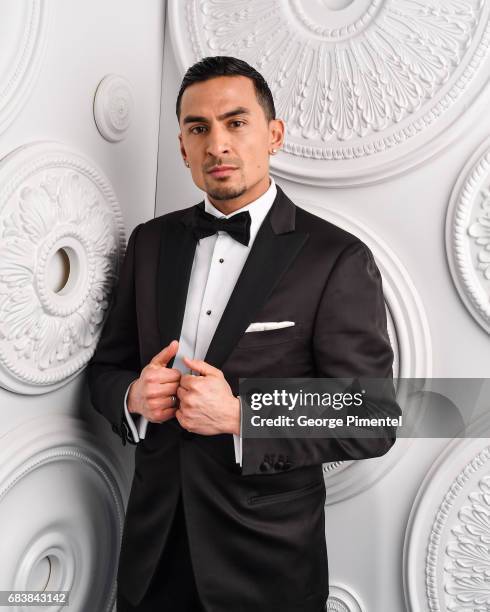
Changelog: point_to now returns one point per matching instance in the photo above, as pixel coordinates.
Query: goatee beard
(226, 193)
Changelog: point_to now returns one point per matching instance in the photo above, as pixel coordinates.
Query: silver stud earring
(273, 151)
(187, 163)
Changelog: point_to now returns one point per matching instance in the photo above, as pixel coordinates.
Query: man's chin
(225, 193)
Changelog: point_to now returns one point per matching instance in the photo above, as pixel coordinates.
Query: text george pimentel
(331, 423)
(337, 401)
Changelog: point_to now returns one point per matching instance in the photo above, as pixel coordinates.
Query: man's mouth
(221, 170)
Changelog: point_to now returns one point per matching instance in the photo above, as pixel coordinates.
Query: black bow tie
(238, 226)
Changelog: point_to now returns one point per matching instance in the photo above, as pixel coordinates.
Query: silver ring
(174, 400)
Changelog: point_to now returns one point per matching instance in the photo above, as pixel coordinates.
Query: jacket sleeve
(116, 361)
(350, 340)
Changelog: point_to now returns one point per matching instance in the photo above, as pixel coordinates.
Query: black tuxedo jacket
(256, 532)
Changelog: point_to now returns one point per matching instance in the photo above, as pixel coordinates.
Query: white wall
(61, 467)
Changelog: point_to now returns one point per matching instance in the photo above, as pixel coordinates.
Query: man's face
(223, 125)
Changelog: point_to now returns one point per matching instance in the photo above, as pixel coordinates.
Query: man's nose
(217, 142)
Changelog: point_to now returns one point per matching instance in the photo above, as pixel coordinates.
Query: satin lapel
(274, 249)
(177, 248)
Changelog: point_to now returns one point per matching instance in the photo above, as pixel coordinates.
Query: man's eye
(197, 127)
(238, 121)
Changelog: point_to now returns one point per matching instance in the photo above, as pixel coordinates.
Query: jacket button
(265, 466)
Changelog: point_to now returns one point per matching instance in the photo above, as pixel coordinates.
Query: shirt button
(221, 260)
(208, 312)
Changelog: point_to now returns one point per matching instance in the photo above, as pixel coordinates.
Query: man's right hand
(149, 395)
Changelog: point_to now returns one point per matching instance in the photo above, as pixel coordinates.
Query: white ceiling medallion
(446, 562)
(468, 235)
(61, 242)
(67, 498)
(24, 33)
(341, 599)
(362, 85)
(411, 342)
(113, 107)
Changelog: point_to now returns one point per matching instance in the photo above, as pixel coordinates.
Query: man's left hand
(207, 404)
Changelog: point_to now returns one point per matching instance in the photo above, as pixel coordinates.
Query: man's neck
(229, 206)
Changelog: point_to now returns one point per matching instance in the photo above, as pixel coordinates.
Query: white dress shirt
(218, 262)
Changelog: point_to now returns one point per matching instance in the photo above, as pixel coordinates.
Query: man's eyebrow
(240, 110)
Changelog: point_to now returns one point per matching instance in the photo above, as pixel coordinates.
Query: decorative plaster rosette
(410, 336)
(341, 599)
(362, 84)
(468, 235)
(24, 33)
(113, 107)
(446, 561)
(53, 201)
(67, 500)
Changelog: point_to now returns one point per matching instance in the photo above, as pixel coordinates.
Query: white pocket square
(255, 327)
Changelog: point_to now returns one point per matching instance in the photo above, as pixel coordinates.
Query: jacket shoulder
(153, 227)
(324, 231)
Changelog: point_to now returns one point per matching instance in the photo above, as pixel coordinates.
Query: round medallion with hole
(61, 242)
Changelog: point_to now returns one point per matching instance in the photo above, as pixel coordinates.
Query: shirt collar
(258, 209)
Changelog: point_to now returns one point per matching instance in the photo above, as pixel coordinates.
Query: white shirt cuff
(237, 440)
(141, 430)
(142, 425)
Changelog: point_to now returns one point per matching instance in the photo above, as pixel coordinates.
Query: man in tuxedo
(243, 284)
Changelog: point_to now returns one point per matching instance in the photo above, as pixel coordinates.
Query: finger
(161, 391)
(187, 381)
(157, 415)
(202, 367)
(166, 414)
(163, 375)
(182, 393)
(182, 419)
(165, 355)
(162, 407)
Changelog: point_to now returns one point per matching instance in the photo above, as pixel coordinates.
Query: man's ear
(277, 129)
(182, 149)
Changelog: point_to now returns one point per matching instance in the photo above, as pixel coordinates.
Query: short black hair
(225, 65)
